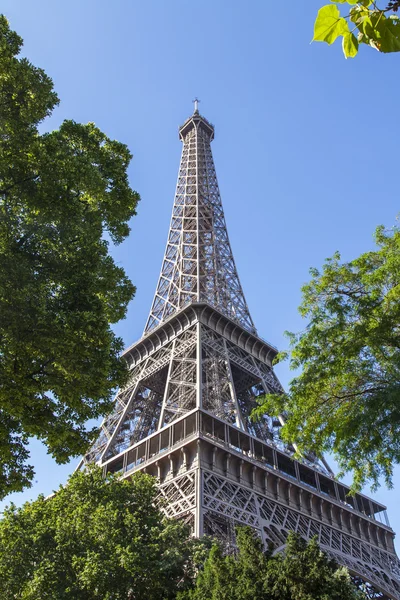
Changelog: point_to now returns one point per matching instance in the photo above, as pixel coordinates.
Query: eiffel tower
(195, 377)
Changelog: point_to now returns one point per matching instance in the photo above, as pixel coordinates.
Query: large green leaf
(329, 25)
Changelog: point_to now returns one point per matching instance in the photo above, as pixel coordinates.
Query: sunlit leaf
(350, 45)
(329, 25)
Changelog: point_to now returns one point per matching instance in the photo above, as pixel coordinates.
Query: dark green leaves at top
(377, 29)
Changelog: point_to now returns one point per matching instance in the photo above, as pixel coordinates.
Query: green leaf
(350, 45)
(388, 34)
(329, 25)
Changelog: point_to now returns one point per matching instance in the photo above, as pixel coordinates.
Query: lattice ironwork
(198, 264)
(218, 393)
(222, 528)
(177, 497)
(180, 389)
(200, 361)
(198, 368)
(241, 505)
(161, 388)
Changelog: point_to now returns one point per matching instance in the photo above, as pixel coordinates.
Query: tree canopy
(62, 196)
(93, 539)
(302, 572)
(367, 22)
(346, 400)
(104, 538)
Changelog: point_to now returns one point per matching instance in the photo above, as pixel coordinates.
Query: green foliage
(363, 23)
(347, 397)
(303, 572)
(95, 538)
(60, 194)
(105, 539)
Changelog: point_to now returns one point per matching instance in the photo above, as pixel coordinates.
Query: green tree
(302, 572)
(95, 539)
(361, 22)
(62, 194)
(346, 399)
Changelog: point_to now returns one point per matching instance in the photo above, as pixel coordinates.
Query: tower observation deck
(195, 376)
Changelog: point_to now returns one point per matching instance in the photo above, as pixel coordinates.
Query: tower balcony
(196, 121)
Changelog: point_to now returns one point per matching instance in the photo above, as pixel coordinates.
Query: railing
(200, 422)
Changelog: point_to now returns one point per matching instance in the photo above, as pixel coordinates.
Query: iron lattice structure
(195, 376)
(198, 264)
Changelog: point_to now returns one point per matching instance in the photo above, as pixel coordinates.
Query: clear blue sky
(306, 146)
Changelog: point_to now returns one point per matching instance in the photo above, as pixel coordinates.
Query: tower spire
(198, 264)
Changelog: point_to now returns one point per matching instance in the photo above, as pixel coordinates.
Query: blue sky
(306, 142)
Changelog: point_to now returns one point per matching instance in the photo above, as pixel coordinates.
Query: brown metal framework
(198, 264)
(195, 377)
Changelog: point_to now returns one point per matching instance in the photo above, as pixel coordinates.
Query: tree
(62, 194)
(302, 572)
(346, 399)
(363, 23)
(95, 538)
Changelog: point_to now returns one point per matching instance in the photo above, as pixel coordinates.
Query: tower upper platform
(196, 121)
